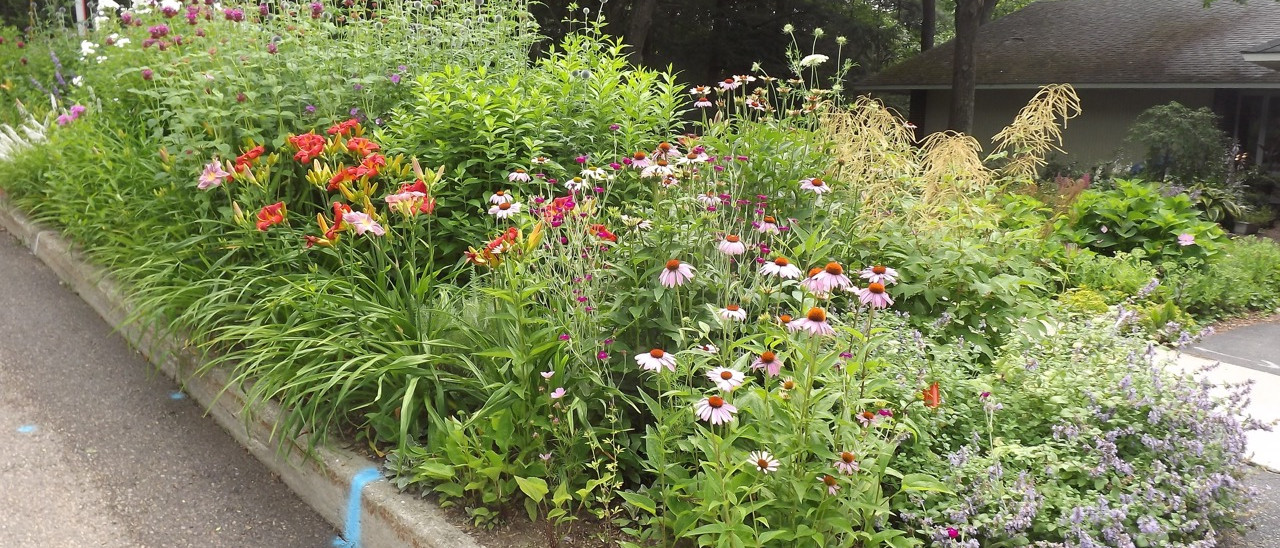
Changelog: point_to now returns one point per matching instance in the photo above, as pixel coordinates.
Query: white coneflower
(637, 222)
(880, 274)
(519, 176)
(575, 184)
(733, 312)
(593, 173)
(500, 197)
(763, 461)
(659, 169)
(780, 267)
(699, 90)
(656, 359)
(505, 210)
(726, 379)
(709, 199)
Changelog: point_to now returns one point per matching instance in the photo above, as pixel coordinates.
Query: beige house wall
(1094, 137)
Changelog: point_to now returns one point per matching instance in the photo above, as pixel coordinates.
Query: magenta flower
(675, 273)
(829, 279)
(715, 410)
(732, 245)
(830, 482)
(557, 393)
(726, 379)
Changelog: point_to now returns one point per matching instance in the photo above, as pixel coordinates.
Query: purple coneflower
(715, 410)
(655, 360)
(769, 362)
(726, 379)
(675, 273)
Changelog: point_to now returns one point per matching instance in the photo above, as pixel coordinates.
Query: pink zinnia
(675, 273)
(874, 296)
(655, 360)
(846, 464)
(769, 362)
(715, 410)
(880, 274)
(829, 279)
(815, 322)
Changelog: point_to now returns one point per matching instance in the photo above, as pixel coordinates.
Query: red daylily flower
(247, 159)
(309, 145)
(362, 147)
(343, 128)
(271, 215)
(932, 397)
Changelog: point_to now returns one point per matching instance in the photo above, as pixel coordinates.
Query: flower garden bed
(574, 290)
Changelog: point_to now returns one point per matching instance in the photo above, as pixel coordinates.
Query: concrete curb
(389, 518)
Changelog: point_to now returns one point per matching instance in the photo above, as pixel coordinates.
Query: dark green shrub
(1181, 143)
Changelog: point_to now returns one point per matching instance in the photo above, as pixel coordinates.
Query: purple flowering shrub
(1082, 438)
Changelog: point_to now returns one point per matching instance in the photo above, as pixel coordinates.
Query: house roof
(1109, 43)
(1269, 47)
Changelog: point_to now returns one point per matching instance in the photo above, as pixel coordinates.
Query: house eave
(1269, 60)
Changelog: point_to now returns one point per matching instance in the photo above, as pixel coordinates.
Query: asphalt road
(1254, 346)
(98, 449)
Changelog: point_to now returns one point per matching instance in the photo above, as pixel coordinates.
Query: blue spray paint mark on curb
(26, 429)
(361, 479)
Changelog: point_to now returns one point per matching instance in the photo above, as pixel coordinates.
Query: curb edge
(390, 519)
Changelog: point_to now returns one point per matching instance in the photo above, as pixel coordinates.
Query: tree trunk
(637, 35)
(919, 97)
(964, 64)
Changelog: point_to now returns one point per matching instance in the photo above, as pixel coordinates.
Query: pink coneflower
(815, 185)
(780, 267)
(831, 278)
(505, 210)
(1185, 239)
(708, 199)
(362, 222)
(675, 273)
(768, 225)
(639, 160)
(815, 322)
(769, 362)
(666, 150)
(519, 176)
(874, 296)
(212, 176)
(810, 281)
(763, 461)
(539, 160)
(500, 197)
(846, 463)
(830, 482)
(693, 158)
(743, 79)
(702, 102)
(733, 312)
(880, 274)
(557, 393)
(715, 410)
(732, 245)
(728, 85)
(708, 348)
(655, 360)
(755, 104)
(726, 379)
(867, 418)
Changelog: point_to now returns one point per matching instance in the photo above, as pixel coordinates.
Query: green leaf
(924, 482)
(535, 488)
(640, 501)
